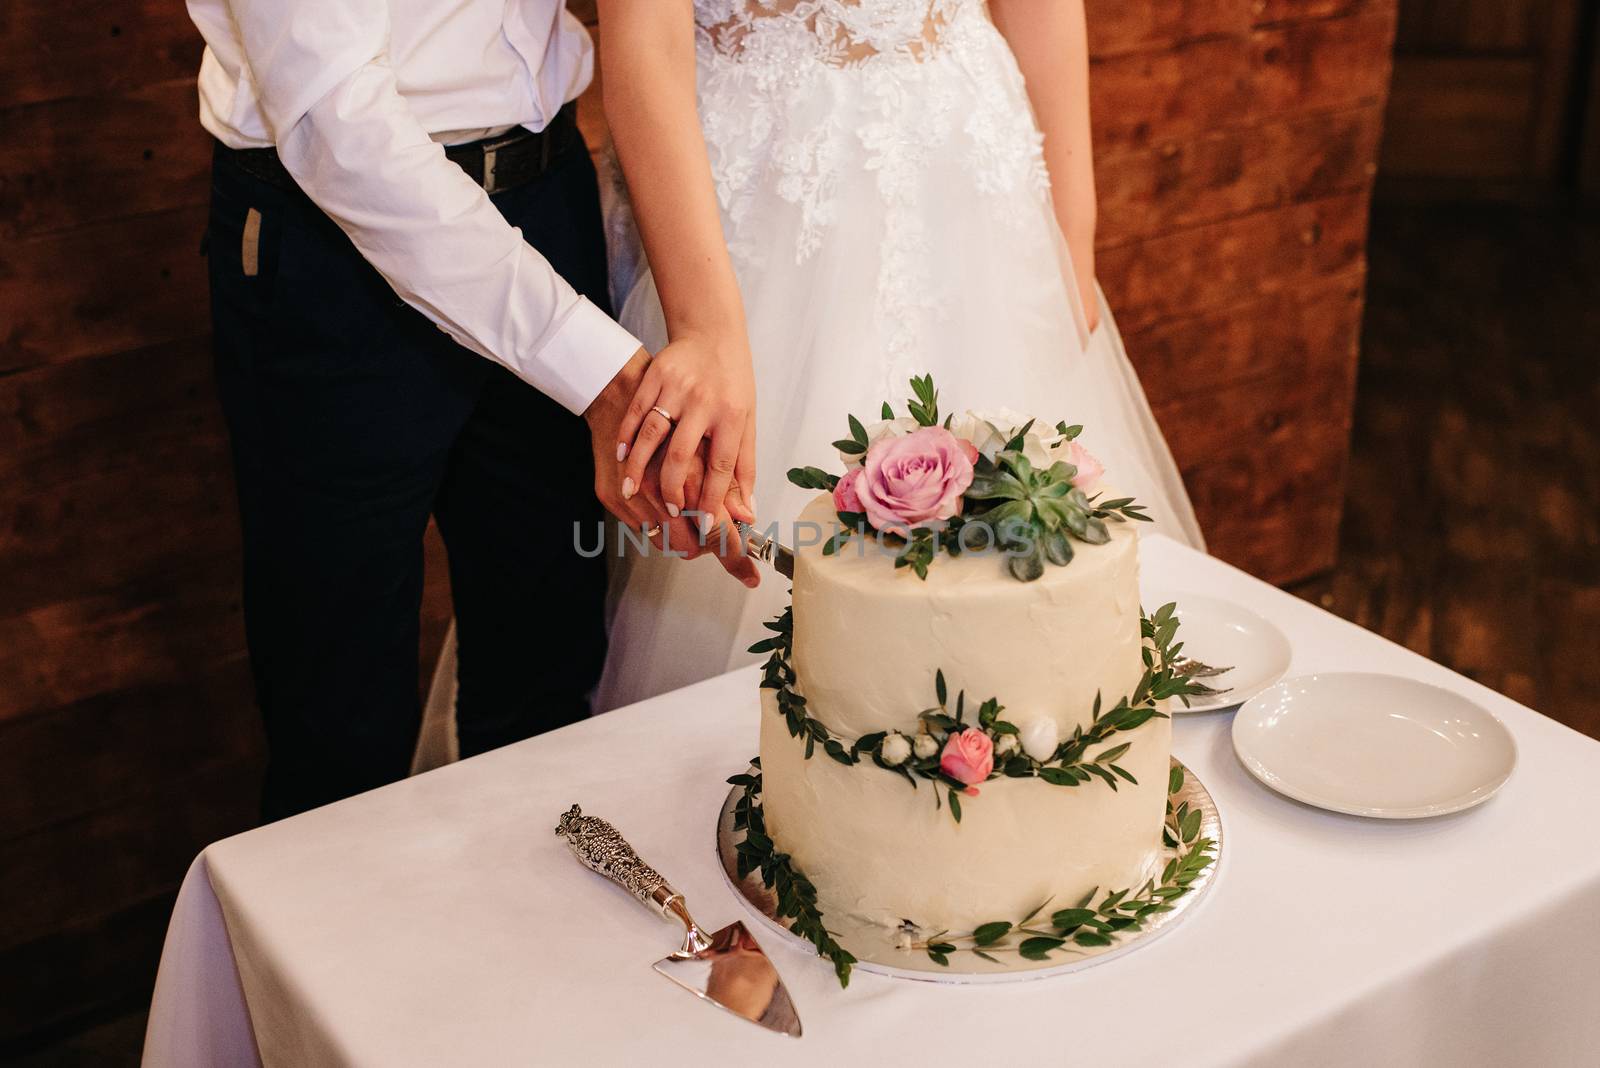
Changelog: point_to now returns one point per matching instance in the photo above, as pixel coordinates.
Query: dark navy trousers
(353, 418)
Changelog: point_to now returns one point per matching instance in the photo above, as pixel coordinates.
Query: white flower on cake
(882, 430)
(1005, 746)
(990, 428)
(1040, 736)
(896, 749)
(925, 745)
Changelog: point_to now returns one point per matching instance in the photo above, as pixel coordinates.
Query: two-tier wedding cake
(962, 712)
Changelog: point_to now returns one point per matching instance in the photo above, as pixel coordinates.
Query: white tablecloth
(440, 921)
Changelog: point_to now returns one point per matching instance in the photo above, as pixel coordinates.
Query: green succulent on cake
(975, 482)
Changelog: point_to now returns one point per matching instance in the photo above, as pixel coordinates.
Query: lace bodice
(836, 32)
(809, 103)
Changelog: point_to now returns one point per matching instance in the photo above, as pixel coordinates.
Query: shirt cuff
(581, 357)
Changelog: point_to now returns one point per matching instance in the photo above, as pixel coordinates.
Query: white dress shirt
(352, 93)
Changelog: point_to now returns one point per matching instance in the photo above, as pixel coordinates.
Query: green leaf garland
(1087, 756)
(796, 896)
(1093, 923)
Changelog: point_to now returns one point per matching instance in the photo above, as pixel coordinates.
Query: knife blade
(726, 968)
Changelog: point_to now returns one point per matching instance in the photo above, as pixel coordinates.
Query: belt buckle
(491, 153)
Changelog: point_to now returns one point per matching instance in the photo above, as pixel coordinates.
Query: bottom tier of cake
(883, 851)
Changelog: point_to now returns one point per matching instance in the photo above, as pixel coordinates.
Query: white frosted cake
(868, 641)
(963, 737)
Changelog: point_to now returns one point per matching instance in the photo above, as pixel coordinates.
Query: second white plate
(1374, 745)
(1228, 635)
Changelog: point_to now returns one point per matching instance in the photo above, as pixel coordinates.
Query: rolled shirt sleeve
(345, 133)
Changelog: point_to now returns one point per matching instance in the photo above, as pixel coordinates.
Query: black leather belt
(514, 158)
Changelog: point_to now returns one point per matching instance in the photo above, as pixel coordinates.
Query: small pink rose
(845, 497)
(914, 480)
(968, 756)
(1089, 468)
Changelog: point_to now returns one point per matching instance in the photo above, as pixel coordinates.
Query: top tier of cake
(869, 638)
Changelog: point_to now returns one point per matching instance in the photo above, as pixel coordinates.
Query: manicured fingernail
(705, 523)
(622, 451)
(627, 488)
(672, 510)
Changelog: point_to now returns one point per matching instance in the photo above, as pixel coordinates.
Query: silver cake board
(874, 946)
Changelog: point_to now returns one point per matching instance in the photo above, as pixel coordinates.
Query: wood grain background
(1484, 91)
(1237, 143)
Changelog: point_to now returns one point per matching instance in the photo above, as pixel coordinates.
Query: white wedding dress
(885, 200)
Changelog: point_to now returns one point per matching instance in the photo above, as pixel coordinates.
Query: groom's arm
(353, 145)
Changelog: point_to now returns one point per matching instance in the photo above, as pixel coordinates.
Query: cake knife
(727, 968)
(768, 550)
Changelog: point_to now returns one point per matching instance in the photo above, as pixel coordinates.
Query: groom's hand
(603, 415)
(681, 536)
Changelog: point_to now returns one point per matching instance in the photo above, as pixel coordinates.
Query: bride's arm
(704, 377)
(1050, 41)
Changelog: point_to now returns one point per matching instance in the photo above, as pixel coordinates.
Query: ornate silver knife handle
(600, 847)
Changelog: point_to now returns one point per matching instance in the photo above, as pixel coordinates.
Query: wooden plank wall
(1588, 161)
(1236, 144)
(128, 739)
(1236, 147)
(1483, 91)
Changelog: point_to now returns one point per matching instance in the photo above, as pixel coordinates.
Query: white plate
(1374, 745)
(1226, 634)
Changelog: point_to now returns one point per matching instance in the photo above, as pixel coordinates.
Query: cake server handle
(600, 847)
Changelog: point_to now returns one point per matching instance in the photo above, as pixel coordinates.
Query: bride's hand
(696, 389)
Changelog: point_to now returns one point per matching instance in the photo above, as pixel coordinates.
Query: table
(441, 921)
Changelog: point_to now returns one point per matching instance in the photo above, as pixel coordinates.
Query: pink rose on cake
(912, 481)
(845, 497)
(968, 757)
(1090, 469)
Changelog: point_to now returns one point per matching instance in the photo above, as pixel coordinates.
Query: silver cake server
(1198, 669)
(760, 547)
(727, 968)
